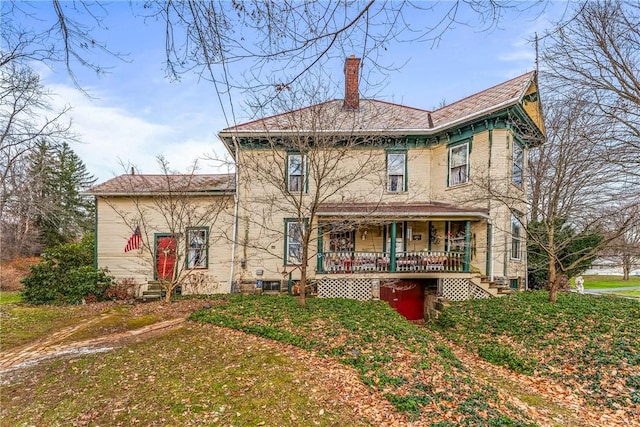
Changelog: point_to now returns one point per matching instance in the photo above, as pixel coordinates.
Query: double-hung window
(293, 242)
(296, 166)
(197, 248)
(396, 172)
(516, 236)
(459, 164)
(518, 164)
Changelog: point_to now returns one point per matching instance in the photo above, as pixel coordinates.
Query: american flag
(135, 241)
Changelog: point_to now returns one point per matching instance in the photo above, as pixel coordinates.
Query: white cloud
(113, 135)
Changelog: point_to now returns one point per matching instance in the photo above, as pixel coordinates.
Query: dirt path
(53, 346)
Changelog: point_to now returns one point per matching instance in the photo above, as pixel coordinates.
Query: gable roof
(385, 117)
(138, 185)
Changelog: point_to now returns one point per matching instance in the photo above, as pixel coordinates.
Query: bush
(66, 275)
(122, 290)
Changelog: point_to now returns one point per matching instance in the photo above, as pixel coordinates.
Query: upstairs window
(396, 172)
(293, 242)
(518, 164)
(197, 247)
(459, 164)
(296, 166)
(516, 237)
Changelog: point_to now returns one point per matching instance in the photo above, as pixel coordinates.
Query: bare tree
(26, 119)
(186, 209)
(294, 165)
(598, 52)
(276, 42)
(625, 248)
(574, 191)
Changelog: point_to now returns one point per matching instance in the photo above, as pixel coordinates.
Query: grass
(23, 324)
(205, 375)
(634, 293)
(193, 376)
(404, 362)
(587, 342)
(606, 282)
(10, 297)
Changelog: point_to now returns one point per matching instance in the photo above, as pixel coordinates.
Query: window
(396, 171)
(295, 173)
(293, 242)
(458, 165)
(516, 236)
(197, 252)
(341, 240)
(518, 164)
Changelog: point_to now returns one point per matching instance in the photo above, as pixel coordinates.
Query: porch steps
(494, 289)
(153, 293)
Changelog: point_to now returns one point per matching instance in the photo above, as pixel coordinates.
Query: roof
(399, 210)
(157, 184)
(388, 117)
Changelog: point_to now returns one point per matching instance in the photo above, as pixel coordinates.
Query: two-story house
(369, 199)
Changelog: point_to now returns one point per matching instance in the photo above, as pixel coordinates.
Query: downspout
(490, 244)
(235, 215)
(95, 233)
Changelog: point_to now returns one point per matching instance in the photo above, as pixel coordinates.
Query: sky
(134, 112)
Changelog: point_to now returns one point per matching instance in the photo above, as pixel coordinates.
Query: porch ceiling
(404, 211)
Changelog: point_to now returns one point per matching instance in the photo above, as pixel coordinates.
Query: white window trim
(302, 173)
(515, 221)
(519, 165)
(452, 182)
(289, 243)
(402, 174)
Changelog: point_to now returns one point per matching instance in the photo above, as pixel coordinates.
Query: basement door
(165, 257)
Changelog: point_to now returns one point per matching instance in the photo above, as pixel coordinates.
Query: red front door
(165, 257)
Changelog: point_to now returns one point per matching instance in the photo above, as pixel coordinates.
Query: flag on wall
(135, 241)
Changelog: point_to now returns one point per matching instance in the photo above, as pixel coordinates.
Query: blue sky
(135, 113)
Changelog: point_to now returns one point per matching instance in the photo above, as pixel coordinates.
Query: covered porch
(402, 238)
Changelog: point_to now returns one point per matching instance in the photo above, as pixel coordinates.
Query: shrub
(122, 290)
(66, 275)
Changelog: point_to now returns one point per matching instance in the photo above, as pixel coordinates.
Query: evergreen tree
(58, 176)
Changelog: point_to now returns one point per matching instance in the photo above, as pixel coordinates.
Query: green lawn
(634, 293)
(10, 297)
(605, 282)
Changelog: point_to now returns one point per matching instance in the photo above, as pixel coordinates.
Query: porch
(418, 241)
(341, 262)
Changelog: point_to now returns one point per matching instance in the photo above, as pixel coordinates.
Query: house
(152, 228)
(370, 199)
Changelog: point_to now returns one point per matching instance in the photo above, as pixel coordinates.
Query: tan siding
(113, 233)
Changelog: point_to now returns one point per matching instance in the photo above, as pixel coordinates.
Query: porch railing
(410, 262)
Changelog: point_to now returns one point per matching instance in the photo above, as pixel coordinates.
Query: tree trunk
(553, 281)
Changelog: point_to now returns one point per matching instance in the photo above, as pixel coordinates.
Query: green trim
(405, 178)
(287, 221)
(206, 247)
(319, 265)
(497, 120)
(392, 249)
(489, 250)
(467, 246)
(95, 233)
(452, 146)
(305, 171)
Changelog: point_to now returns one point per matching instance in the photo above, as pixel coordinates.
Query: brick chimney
(351, 73)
